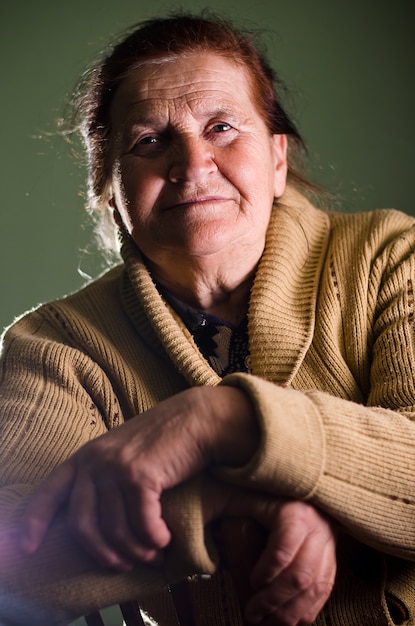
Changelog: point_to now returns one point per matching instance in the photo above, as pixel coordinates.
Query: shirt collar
(194, 318)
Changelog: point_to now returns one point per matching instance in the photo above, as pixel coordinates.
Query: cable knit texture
(331, 332)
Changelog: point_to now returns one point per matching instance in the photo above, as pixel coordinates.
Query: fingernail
(120, 565)
(125, 567)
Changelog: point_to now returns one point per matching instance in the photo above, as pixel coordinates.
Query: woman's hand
(294, 575)
(110, 489)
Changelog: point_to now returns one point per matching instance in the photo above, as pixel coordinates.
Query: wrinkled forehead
(191, 80)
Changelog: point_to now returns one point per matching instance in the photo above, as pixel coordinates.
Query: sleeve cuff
(291, 455)
(191, 550)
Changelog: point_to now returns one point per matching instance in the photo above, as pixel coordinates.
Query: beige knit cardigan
(331, 331)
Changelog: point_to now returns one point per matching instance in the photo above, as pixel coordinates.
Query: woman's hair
(166, 38)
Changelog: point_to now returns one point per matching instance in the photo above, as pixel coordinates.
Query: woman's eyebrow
(232, 112)
(152, 119)
(219, 109)
(137, 123)
(143, 120)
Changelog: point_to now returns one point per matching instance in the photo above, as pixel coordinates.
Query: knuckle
(123, 458)
(280, 558)
(145, 555)
(311, 612)
(127, 473)
(302, 580)
(323, 588)
(317, 596)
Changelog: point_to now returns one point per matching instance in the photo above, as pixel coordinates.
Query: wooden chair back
(239, 543)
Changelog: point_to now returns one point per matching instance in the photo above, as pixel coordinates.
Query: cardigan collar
(284, 295)
(282, 304)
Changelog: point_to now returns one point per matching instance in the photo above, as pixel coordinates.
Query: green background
(349, 66)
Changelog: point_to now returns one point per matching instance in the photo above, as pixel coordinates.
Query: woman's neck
(221, 293)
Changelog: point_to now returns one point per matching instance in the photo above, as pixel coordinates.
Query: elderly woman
(252, 356)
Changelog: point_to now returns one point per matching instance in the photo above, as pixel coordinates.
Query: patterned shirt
(223, 345)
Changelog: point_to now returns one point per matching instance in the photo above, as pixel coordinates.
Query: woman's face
(195, 169)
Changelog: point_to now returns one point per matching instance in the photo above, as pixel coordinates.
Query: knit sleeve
(353, 459)
(54, 398)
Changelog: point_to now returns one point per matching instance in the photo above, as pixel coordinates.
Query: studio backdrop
(348, 67)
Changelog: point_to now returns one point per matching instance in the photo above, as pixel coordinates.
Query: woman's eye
(221, 127)
(146, 145)
(222, 134)
(147, 140)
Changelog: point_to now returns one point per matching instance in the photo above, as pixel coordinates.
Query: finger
(284, 601)
(145, 516)
(116, 523)
(44, 504)
(83, 523)
(284, 542)
(301, 610)
(300, 590)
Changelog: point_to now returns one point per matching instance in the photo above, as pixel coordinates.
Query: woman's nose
(192, 160)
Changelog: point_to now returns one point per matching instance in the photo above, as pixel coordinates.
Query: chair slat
(132, 614)
(183, 603)
(94, 619)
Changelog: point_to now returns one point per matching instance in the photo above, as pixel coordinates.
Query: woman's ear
(280, 152)
(115, 213)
